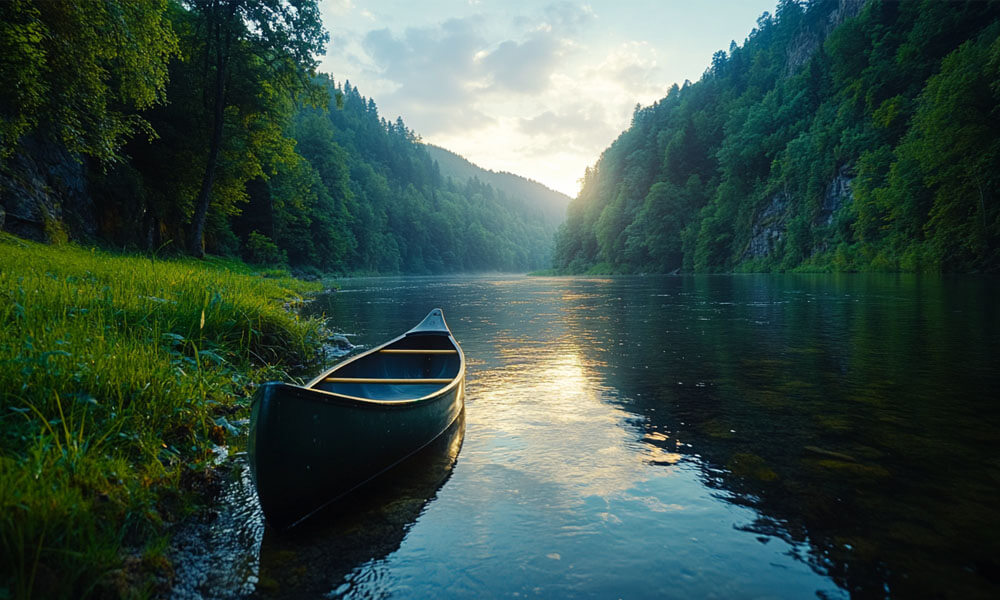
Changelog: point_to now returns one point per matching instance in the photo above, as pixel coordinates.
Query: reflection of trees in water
(853, 414)
(317, 556)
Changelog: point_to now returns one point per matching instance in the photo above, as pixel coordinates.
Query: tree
(80, 71)
(875, 149)
(281, 36)
(955, 140)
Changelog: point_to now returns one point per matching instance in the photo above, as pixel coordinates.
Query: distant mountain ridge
(551, 203)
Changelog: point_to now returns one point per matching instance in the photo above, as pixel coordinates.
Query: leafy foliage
(746, 168)
(79, 71)
(401, 212)
(261, 52)
(231, 132)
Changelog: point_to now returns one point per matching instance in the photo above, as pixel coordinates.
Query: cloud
(572, 128)
(633, 66)
(429, 64)
(524, 67)
(457, 60)
(567, 17)
(454, 64)
(537, 93)
(339, 7)
(440, 119)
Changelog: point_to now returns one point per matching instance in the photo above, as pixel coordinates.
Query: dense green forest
(840, 136)
(548, 204)
(202, 125)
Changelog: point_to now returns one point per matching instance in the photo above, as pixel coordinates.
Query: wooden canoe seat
(382, 380)
(409, 351)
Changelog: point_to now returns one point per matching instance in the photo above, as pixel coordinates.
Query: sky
(536, 88)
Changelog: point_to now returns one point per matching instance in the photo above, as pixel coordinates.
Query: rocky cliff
(770, 225)
(44, 195)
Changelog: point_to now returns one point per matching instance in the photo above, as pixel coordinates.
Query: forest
(840, 136)
(203, 126)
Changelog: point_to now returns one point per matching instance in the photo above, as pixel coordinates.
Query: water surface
(683, 437)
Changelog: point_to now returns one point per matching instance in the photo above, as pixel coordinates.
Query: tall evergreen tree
(865, 147)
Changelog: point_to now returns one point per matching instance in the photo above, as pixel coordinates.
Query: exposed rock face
(805, 43)
(43, 187)
(801, 49)
(771, 224)
(845, 10)
(768, 228)
(838, 194)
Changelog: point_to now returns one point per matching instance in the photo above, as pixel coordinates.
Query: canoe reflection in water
(364, 526)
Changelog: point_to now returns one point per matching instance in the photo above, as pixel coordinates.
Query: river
(737, 436)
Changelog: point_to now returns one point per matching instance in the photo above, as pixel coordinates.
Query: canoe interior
(436, 365)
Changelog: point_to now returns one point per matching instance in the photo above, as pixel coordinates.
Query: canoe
(363, 527)
(311, 445)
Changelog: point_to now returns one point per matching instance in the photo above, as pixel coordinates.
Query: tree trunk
(196, 242)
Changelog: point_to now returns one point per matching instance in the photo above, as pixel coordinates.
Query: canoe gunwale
(333, 397)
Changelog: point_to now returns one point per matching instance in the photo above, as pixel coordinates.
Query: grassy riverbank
(118, 375)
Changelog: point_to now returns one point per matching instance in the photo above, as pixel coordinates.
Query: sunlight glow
(566, 397)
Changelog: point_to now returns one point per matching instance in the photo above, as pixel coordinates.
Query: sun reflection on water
(542, 391)
(703, 437)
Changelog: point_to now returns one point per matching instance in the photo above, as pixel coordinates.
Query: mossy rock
(751, 466)
(717, 429)
(854, 468)
(834, 422)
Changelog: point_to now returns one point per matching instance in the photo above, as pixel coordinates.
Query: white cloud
(578, 127)
(569, 17)
(338, 7)
(432, 64)
(536, 94)
(448, 120)
(524, 67)
(633, 66)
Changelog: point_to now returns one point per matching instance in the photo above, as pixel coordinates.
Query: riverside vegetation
(203, 126)
(842, 135)
(120, 374)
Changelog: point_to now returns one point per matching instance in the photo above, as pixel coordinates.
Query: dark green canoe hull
(309, 446)
(308, 449)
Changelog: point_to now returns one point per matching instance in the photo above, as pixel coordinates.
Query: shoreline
(124, 376)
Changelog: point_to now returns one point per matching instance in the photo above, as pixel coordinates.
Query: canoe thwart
(382, 380)
(408, 351)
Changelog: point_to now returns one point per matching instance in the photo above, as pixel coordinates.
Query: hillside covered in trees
(202, 125)
(549, 204)
(842, 135)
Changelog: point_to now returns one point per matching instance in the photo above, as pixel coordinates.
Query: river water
(739, 436)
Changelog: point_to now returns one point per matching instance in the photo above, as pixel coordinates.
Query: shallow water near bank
(782, 436)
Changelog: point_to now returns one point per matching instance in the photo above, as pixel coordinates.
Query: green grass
(117, 375)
